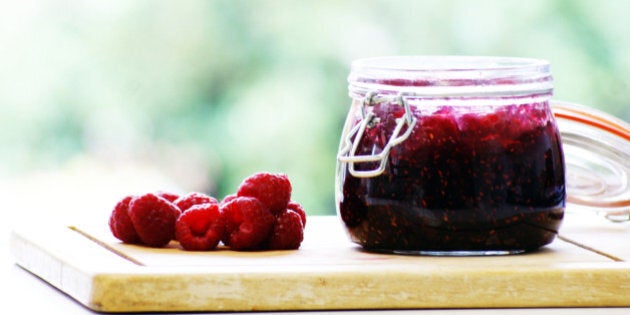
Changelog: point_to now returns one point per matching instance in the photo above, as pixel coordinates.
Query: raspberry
(228, 198)
(201, 227)
(171, 197)
(120, 224)
(299, 209)
(288, 231)
(193, 198)
(273, 190)
(247, 223)
(154, 219)
(167, 195)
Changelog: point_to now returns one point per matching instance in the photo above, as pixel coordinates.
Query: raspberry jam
(450, 156)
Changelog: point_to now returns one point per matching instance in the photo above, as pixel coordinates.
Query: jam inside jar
(450, 155)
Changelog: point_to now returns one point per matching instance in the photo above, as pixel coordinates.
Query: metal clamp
(347, 154)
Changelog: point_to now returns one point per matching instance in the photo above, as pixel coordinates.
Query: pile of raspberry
(259, 216)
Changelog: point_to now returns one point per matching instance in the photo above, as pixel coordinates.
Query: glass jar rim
(450, 75)
(448, 63)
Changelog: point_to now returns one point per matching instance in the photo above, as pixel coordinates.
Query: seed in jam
(466, 179)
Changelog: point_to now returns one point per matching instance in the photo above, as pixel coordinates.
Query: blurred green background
(197, 95)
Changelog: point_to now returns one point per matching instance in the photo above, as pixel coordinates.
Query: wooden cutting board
(587, 265)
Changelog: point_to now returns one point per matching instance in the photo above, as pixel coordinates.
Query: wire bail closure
(348, 153)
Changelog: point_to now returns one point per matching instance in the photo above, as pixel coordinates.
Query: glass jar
(449, 155)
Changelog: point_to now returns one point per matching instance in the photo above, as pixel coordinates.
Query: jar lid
(597, 157)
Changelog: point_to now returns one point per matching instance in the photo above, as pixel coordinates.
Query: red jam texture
(474, 178)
